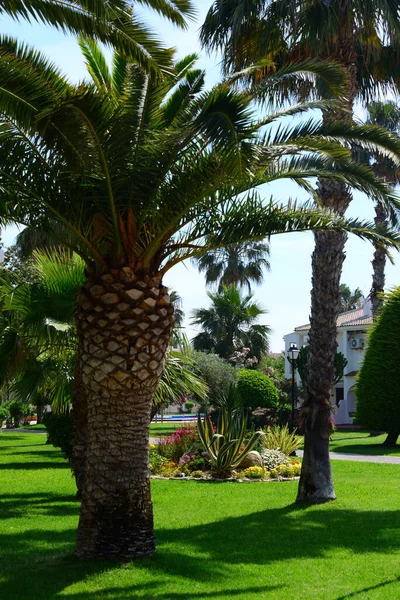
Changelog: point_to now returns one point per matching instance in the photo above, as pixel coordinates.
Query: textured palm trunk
(316, 484)
(378, 267)
(124, 324)
(79, 437)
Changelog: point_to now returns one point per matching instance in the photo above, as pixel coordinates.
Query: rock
(253, 459)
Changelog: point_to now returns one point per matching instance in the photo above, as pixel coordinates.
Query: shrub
(227, 447)
(255, 473)
(216, 372)
(280, 438)
(177, 444)
(4, 412)
(59, 432)
(256, 389)
(156, 462)
(192, 461)
(189, 406)
(378, 390)
(197, 474)
(274, 458)
(17, 410)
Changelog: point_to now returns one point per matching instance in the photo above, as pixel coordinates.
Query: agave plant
(227, 446)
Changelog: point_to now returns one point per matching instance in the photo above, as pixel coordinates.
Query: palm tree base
(316, 485)
(122, 528)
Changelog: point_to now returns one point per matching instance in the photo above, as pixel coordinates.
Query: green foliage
(4, 411)
(17, 410)
(256, 389)
(229, 323)
(227, 447)
(59, 432)
(378, 390)
(216, 372)
(274, 458)
(189, 406)
(177, 444)
(340, 363)
(280, 438)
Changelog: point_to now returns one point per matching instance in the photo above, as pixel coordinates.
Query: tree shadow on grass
(34, 465)
(195, 554)
(367, 449)
(44, 504)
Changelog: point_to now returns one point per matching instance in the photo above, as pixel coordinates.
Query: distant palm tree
(349, 299)
(230, 323)
(236, 264)
(387, 115)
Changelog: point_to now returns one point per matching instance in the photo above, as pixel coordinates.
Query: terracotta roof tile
(349, 318)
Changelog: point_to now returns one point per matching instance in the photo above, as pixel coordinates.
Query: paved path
(392, 460)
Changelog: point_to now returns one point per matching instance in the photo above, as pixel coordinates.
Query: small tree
(378, 391)
(256, 389)
(216, 372)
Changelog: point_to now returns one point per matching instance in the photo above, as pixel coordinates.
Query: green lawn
(361, 442)
(215, 541)
(162, 429)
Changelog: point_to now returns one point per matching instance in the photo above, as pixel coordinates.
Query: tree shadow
(195, 553)
(367, 449)
(35, 465)
(369, 589)
(16, 505)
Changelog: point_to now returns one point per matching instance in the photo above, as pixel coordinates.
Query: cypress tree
(378, 389)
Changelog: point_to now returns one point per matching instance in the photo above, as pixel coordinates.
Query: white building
(352, 327)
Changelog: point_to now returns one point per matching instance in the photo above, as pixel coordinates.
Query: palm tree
(387, 115)
(349, 299)
(38, 347)
(229, 324)
(114, 23)
(362, 37)
(135, 175)
(236, 264)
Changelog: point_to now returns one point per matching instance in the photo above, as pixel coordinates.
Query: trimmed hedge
(256, 389)
(378, 385)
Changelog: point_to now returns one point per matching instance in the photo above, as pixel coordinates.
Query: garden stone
(252, 459)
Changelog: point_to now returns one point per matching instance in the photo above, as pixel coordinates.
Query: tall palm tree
(132, 173)
(236, 264)
(231, 323)
(113, 22)
(387, 115)
(364, 38)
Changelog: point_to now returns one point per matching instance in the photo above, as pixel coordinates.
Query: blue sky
(286, 289)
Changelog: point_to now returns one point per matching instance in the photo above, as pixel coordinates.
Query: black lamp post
(293, 354)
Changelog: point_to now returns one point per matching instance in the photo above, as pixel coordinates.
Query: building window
(339, 395)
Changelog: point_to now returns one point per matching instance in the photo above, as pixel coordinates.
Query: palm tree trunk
(124, 325)
(378, 266)
(316, 483)
(79, 438)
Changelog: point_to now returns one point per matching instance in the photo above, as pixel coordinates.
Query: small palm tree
(136, 174)
(236, 264)
(349, 299)
(229, 324)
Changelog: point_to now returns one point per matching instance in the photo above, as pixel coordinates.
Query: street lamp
(293, 354)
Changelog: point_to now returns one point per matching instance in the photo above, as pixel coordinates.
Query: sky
(285, 293)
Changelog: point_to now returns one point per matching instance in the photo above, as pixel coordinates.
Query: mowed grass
(362, 442)
(215, 541)
(163, 429)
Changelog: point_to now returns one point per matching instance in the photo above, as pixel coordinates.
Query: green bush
(17, 410)
(4, 411)
(256, 389)
(189, 406)
(216, 372)
(378, 390)
(59, 432)
(280, 438)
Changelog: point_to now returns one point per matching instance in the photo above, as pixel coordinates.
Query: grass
(39, 427)
(162, 429)
(362, 442)
(215, 541)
